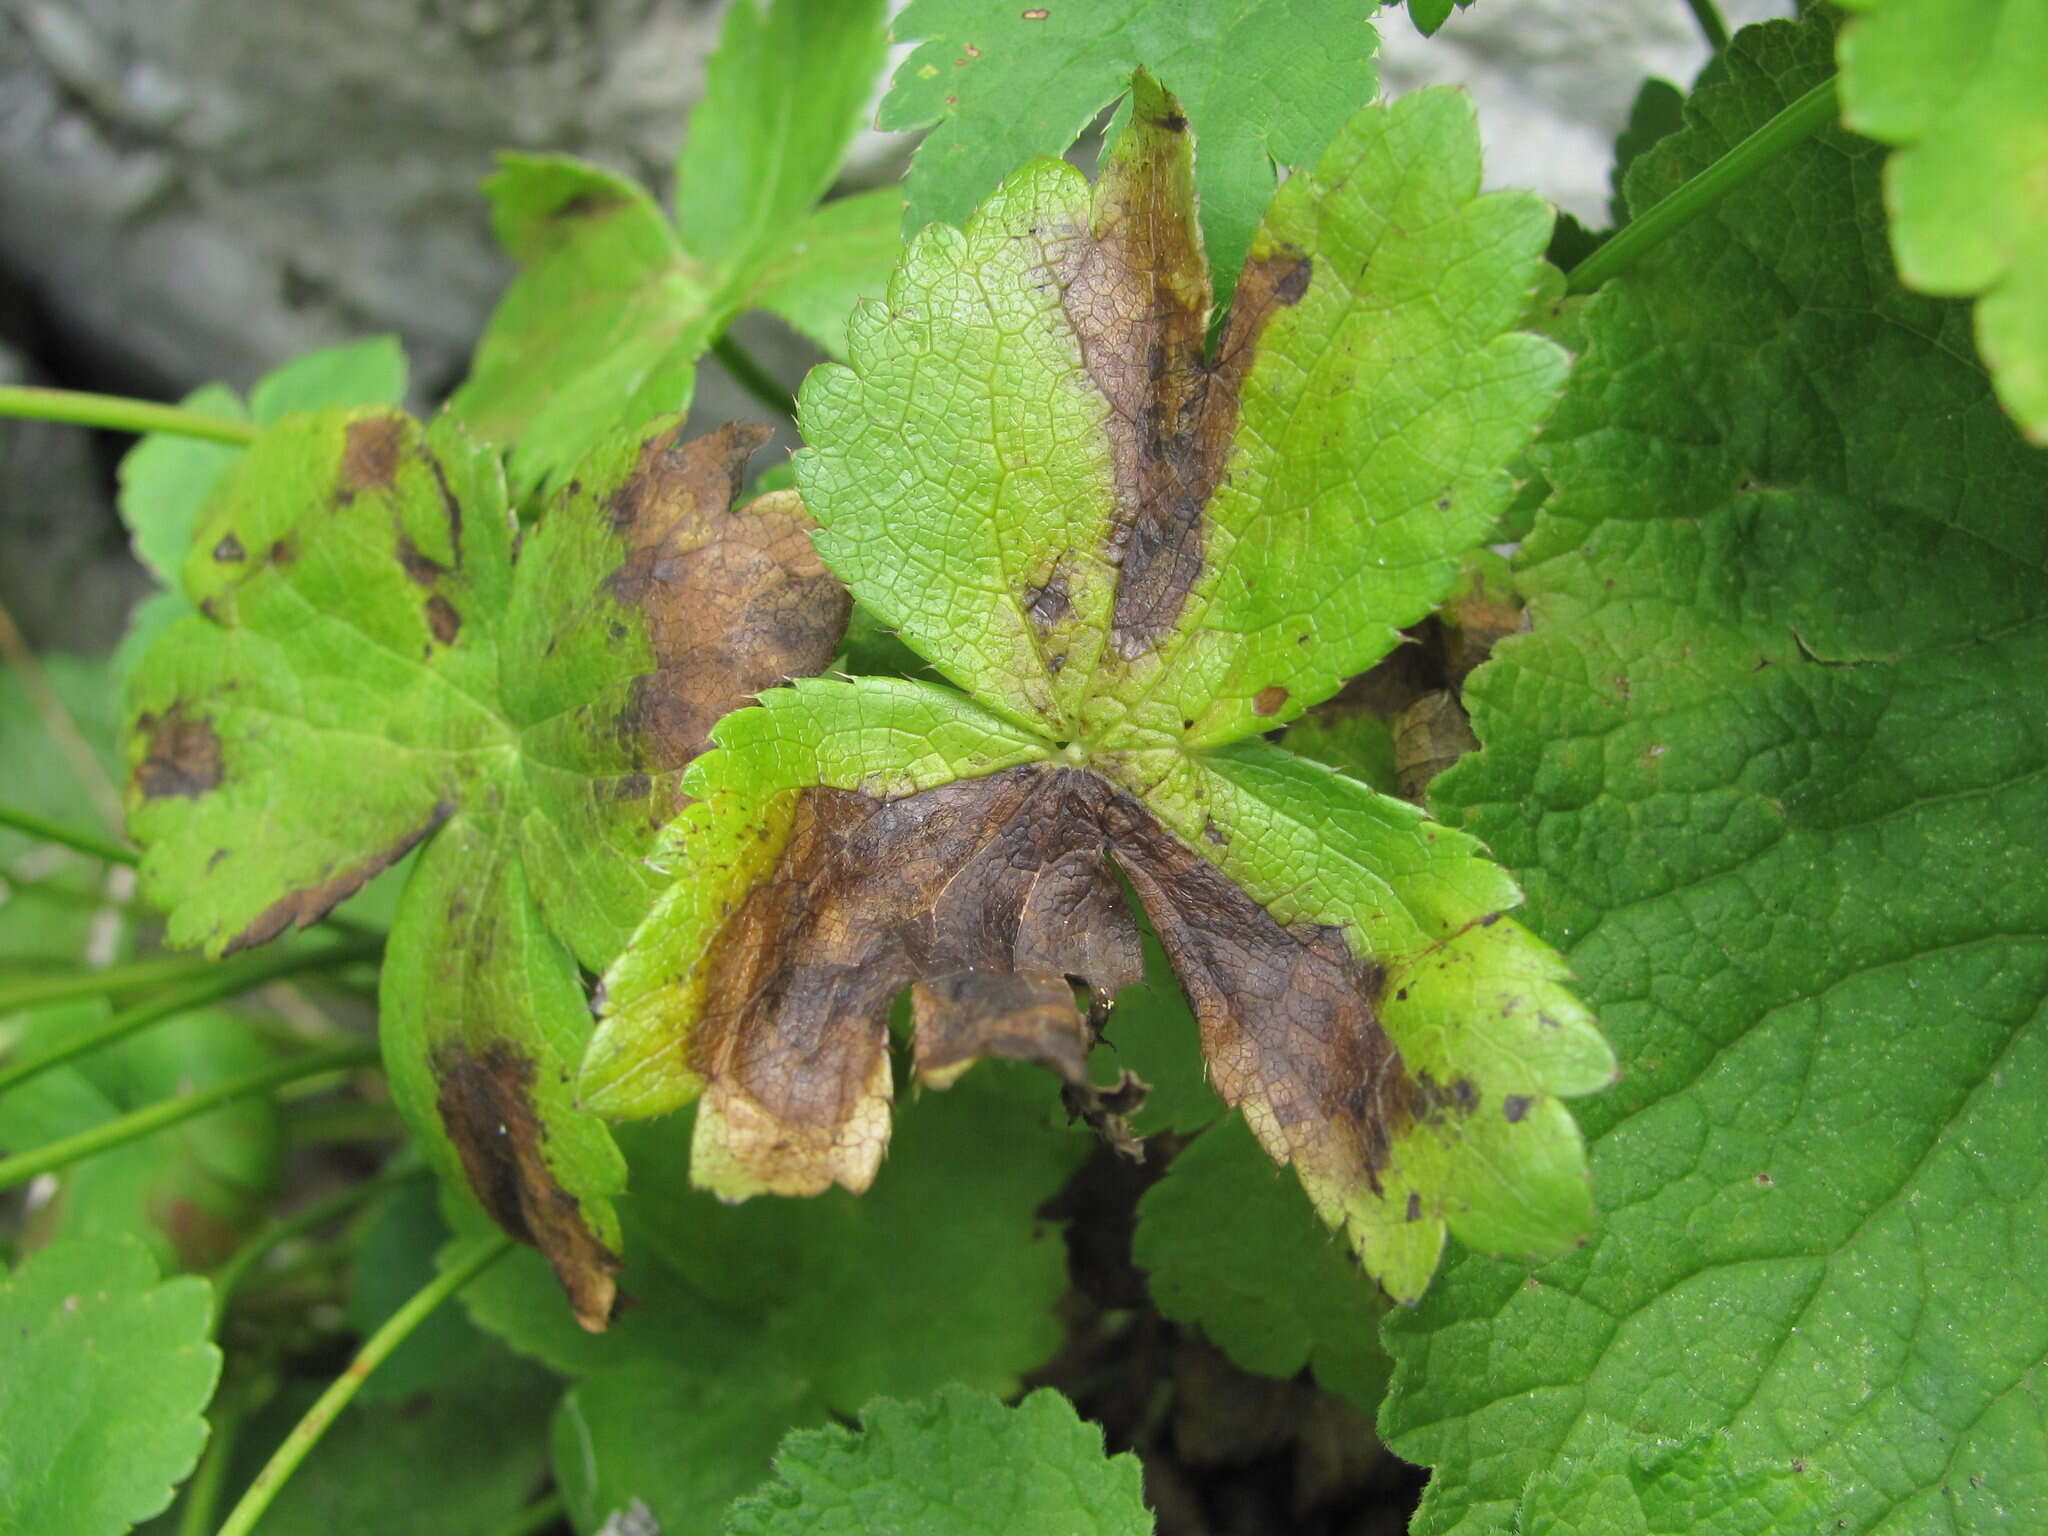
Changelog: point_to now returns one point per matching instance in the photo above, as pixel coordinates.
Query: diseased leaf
(1956, 84)
(958, 1464)
(1228, 1246)
(102, 1403)
(1771, 764)
(1004, 82)
(364, 636)
(604, 325)
(1134, 558)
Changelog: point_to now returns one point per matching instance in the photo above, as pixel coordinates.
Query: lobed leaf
(1785, 672)
(1035, 471)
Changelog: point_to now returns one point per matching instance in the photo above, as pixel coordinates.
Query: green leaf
(752, 1319)
(1267, 81)
(460, 1459)
(394, 1258)
(1769, 768)
(1133, 559)
(368, 670)
(1628, 1486)
(1228, 1246)
(958, 1464)
(1657, 113)
(102, 1403)
(604, 325)
(1957, 86)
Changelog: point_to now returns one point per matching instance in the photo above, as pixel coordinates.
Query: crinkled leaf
(747, 1321)
(957, 1464)
(1230, 1245)
(1630, 1486)
(1956, 84)
(1133, 557)
(1770, 763)
(103, 1399)
(368, 669)
(604, 324)
(1267, 81)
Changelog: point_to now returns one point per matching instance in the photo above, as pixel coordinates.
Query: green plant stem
(752, 377)
(119, 413)
(1664, 219)
(307, 1432)
(78, 838)
(245, 1258)
(1711, 24)
(109, 981)
(213, 981)
(535, 1518)
(146, 1121)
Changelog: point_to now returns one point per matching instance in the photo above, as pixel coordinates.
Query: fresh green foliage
(753, 1319)
(1124, 614)
(1624, 1487)
(108, 1373)
(999, 82)
(1229, 1244)
(960, 1464)
(1957, 84)
(1771, 766)
(615, 305)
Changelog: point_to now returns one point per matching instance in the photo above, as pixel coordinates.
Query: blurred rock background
(199, 189)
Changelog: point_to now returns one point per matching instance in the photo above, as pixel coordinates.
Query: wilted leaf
(604, 326)
(107, 1379)
(1137, 559)
(1771, 764)
(1957, 85)
(1268, 81)
(958, 1464)
(365, 638)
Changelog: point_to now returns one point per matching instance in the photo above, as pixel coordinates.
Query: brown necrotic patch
(732, 602)
(1136, 290)
(181, 755)
(309, 903)
(992, 893)
(442, 619)
(369, 455)
(485, 1100)
(228, 550)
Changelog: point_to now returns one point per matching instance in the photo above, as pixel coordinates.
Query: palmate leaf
(1771, 764)
(604, 326)
(369, 670)
(1004, 82)
(1957, 85)
(1135, 560)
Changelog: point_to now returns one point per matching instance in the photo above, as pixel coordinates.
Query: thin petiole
(66, 1150)
(376, 1349)
(1661, 220)
(752, 377)
(212, 982)
(1712, 26)
(119, 413)
(79, 839)
(109, 981)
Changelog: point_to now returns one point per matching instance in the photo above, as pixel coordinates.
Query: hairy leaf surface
(615, 303)
(1771, 764)
(364, 637)
(1134, 557)
(1957, 86)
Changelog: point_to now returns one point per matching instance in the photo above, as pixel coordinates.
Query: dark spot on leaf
(442, 619)
(213, 859)
(634, 786)
(1489, 920)
(423, 569)
(281, 552)
(1214, 833)
(306, 906)
(229, 549)
(1269, 701)
(1173, 122)
(1035, 15)
(369, 457)
(486, 1103)
(1048, 604)
(1764, 1181)
(585, 204)
(181, 756)
(616, 631)
(1414, 1206)
(1515, 1106)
